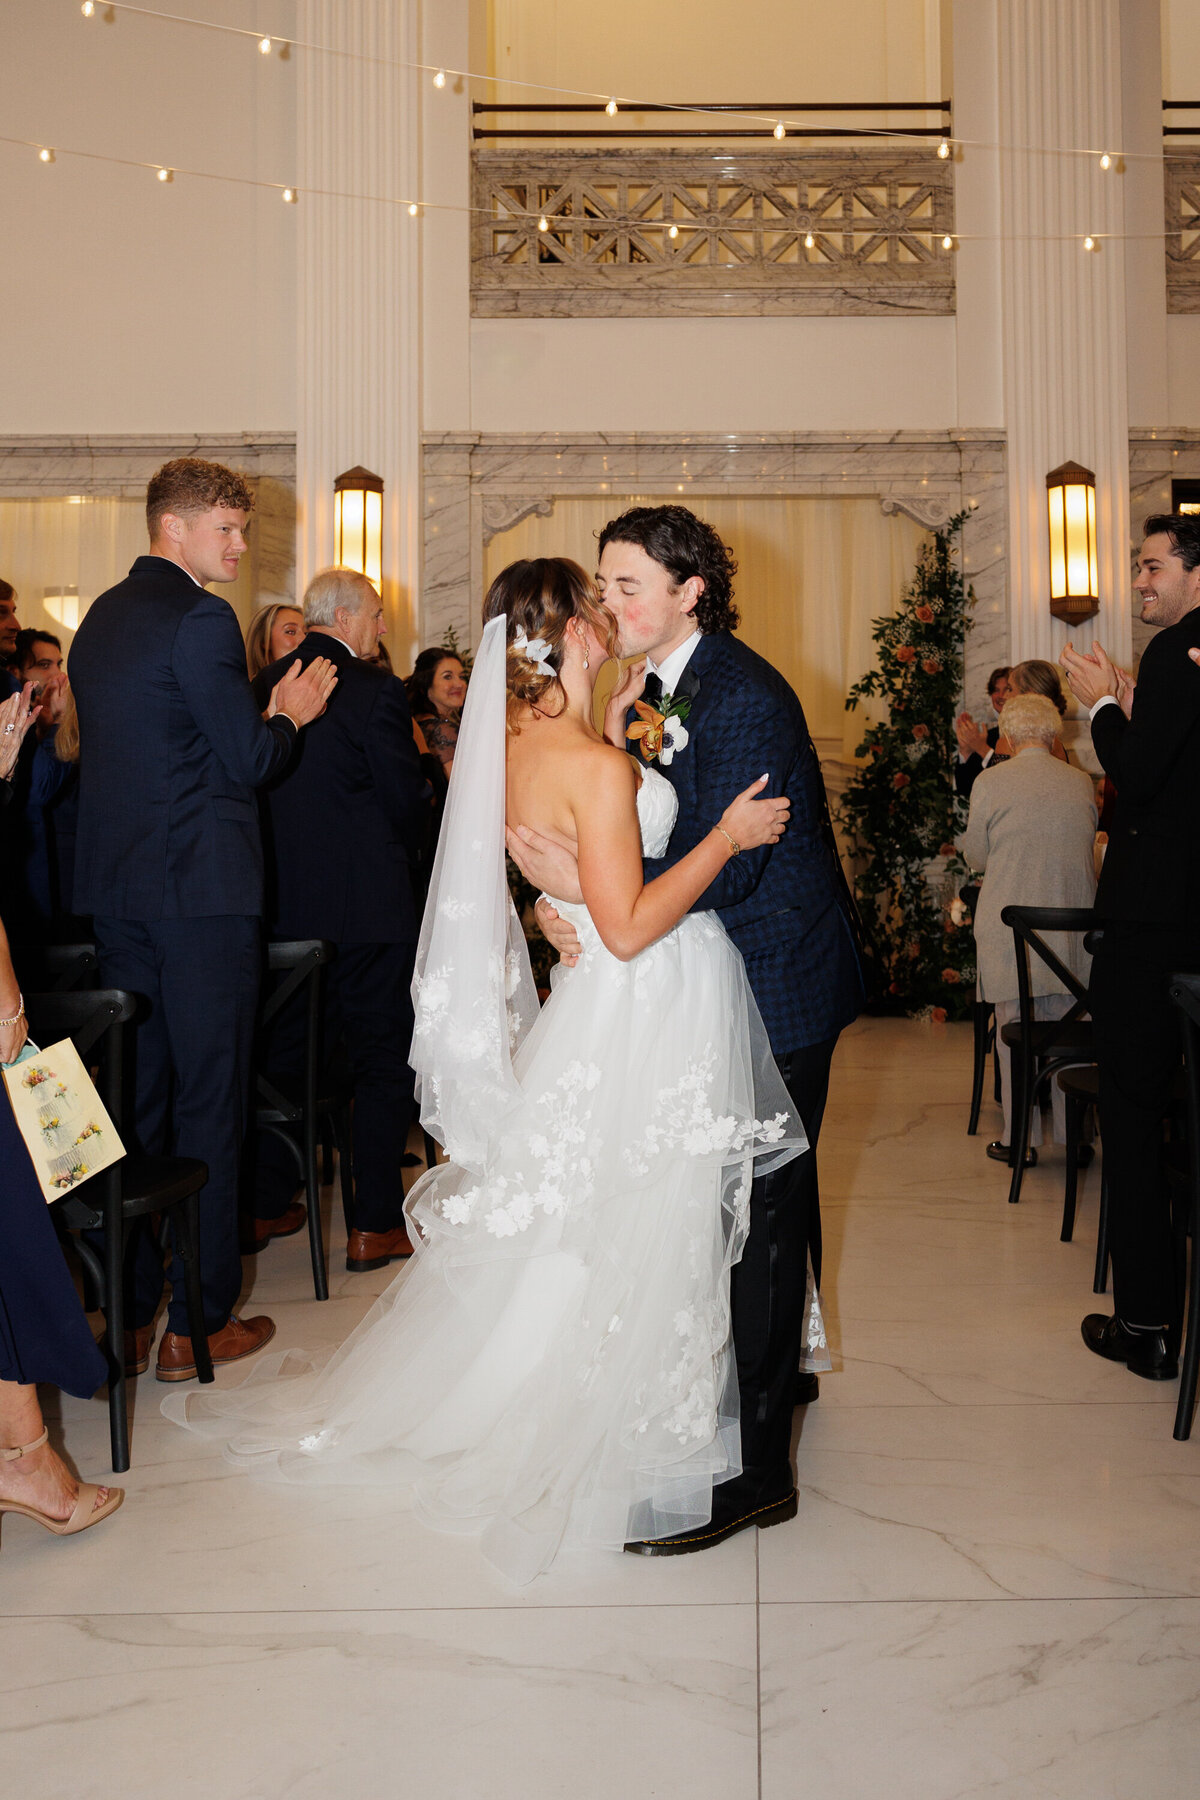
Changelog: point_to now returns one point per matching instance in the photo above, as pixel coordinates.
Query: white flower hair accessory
(535, 650)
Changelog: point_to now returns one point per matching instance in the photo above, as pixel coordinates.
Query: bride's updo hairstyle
(540, 598)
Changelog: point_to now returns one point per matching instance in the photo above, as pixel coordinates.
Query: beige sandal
(85, 1512)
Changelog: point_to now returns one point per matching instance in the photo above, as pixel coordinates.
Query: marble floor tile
(1027, 1700)
(965, 1502)
(366, 1705)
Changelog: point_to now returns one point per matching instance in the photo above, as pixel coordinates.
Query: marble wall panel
(1156, 458)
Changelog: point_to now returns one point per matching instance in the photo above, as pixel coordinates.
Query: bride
(554, 1367)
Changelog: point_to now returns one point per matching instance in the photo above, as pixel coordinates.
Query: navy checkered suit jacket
(786, 906)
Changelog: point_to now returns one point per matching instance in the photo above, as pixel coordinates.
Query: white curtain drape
(47, 546)
(812, 574)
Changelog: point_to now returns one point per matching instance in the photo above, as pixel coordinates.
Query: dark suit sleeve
(751, 743)
(395, 765)
(209, 663)
(1138, 754)
(965, 773)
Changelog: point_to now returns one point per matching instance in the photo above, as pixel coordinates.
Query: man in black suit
(343, 825)
(168, 859)
(1148, 898)
(977, 745)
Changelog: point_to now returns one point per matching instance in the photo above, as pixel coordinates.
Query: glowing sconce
(1074, 565)
(358, 524)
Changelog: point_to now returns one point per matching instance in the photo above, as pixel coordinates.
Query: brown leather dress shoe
(137, 1349)
(256, 1234)
(240, 1337)
(375, 1249)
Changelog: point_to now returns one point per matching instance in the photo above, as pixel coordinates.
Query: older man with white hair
(342, 827)
(1032, 831)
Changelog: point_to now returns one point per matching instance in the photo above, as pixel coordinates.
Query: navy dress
(44, 1333)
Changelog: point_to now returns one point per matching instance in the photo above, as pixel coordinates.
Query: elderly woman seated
(1031, 831)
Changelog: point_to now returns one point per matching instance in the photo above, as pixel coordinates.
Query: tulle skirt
(554, 1367)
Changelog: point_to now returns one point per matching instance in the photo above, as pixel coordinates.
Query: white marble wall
(1156, 458)
(476, 484)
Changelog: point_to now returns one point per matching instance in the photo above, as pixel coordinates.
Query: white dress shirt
(672, 666)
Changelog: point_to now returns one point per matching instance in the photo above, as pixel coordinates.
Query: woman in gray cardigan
(1032, 829)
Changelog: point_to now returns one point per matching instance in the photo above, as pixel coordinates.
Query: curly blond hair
(541, 598)
(191, 485)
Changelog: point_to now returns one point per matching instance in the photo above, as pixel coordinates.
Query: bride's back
(551, 762)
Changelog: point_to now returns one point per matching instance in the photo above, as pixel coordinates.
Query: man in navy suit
(343, 824)
(668, 579)
(169, 861)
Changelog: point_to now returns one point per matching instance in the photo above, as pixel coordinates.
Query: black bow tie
(653, 689)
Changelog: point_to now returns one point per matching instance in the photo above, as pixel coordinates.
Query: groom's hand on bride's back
(548, 865)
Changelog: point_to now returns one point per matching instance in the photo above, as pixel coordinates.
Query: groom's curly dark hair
(685, 546)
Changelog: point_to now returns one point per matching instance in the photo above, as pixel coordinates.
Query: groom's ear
(690, 593)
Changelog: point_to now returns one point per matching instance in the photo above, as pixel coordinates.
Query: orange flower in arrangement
(900, 779)
(920, 731)
(938, 1015)
(925, 614)
(932, 666)
(946, 850)
(905, 653)
(951, 976)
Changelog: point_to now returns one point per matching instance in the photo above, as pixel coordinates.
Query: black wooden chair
(1185, 992)
(56, 968)
(1080, 1086)
(322, 1100)
(983, 1021)
(1041, 1047)
(134, 1188)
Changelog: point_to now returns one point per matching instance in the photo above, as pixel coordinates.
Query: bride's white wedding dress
(554, 1366)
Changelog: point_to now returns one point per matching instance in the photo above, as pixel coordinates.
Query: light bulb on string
(673, 231)
(439, 80)
(166, 174)
(780, 130)
(1106, 161)
(413, 209)
(611, 109)
(1090, 243)
(944, 149)
(290, 196)
(88, 8)
(949, 243)
(46, 155)
(264, 45)
(810, 242)
(543, 223)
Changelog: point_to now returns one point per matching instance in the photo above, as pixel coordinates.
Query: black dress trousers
(768, 1285)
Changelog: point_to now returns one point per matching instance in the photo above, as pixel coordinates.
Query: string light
(780, 130)
(949, 243)
(944, 149)
(673, 232)
(611, 109)
(88, 8)
(1089, 243)
(1106, 161)
(439, 80)
(46, 155)
(810, 242)
(166, 174)
(413, 209)
(290, 196)
(543, 223)
(264, 45)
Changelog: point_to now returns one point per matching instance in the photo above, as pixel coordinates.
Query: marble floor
(992, 1587)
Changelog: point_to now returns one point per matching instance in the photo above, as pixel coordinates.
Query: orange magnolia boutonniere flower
(660, 734)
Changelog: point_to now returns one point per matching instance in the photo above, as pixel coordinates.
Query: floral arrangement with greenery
(900, 810)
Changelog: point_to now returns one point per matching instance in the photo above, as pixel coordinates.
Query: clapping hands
(17, 714)
(302, 694)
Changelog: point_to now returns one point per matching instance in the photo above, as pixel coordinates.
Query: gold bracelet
(735, 849)
(18, 1015)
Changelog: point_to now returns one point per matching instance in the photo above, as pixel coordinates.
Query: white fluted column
(1058, 76)
(359, 301)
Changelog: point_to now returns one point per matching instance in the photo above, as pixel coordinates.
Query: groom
(667, 578)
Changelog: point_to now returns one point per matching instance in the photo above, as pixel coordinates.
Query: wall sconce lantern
(1074, 565)
(64, 606)
(358, 524)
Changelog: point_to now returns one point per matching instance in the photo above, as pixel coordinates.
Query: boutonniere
(660, 729)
